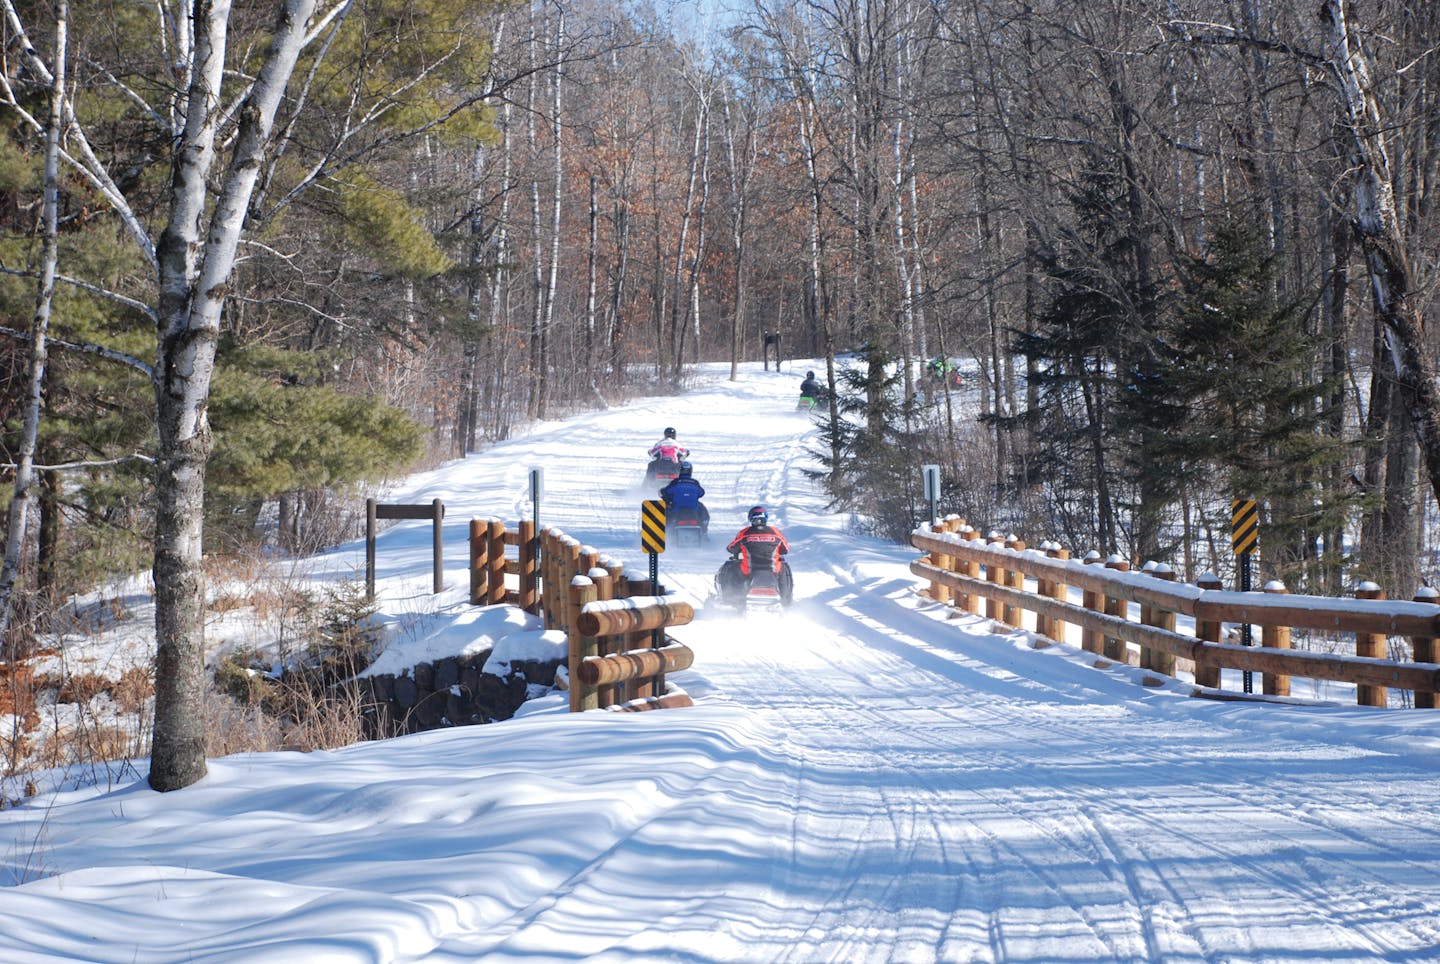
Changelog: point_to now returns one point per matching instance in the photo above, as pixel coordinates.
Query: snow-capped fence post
(955, 525)
(554, 582)
(1422, 648)
(1161, 618)
(569, 568)
(1116, 648)
(939, 591)
(528, 569)
(1275, 637)
(994, 574)
(1015, 579)
(972, 569)
(1095, 602)
(604, 582)
(1373, 645)
(1207, 673)
(582, 645)
(1054, 626)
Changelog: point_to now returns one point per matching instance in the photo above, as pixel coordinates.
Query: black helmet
(669, 433)
(809, 374)
(757, 516)
(685, 470)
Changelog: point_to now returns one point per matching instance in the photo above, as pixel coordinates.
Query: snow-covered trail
(865, 778)
(947, 792)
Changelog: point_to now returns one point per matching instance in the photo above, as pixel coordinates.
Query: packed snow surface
(865, 778)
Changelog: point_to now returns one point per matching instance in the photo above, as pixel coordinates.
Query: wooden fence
(619, 652)
(992, 576)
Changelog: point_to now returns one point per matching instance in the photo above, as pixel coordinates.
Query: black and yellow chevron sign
(652, 525)
(1244, 526)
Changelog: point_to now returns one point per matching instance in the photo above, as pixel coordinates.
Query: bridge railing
(615, 622)
(992, 576)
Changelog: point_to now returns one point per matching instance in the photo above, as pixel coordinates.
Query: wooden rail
(956, 556)
(605, 613)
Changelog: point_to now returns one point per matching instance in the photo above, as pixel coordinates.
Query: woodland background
(1141, 226)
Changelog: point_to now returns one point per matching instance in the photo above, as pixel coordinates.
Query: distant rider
(811, 387)
(757, 546)
(682, 497)
(668, 449)
(665, 456)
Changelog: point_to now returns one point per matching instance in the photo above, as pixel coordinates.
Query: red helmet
(757, 516)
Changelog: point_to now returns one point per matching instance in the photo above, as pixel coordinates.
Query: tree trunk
(1378, 227)
(193, 280)
(39, 331)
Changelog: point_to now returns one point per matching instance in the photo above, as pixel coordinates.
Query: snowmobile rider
(668, 449)
(757, 546)
(811, 387)
(682, 497)
(665, 458)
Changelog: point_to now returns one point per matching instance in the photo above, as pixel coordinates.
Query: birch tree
(39, 329)
(1378, 225)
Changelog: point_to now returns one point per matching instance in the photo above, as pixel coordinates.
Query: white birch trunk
(1378, 226)
(194, 275)
(39, 331)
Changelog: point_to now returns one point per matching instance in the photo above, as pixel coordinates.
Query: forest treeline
(1185, 250)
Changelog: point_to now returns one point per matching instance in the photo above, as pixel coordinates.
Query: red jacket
(758, 542)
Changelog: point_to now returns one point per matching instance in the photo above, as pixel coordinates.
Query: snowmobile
(764, 590)
(683, 529)
(660, 472)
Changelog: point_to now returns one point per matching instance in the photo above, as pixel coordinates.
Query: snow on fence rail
(991, 577)
(619, 652)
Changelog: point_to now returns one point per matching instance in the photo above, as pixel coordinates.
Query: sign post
(652, 541)
(932, 488)
(1244, 540)
(537, 484)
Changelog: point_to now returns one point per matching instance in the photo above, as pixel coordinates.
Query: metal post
(438, 525)
(537, 482)
(369, 548)
(1245, 626)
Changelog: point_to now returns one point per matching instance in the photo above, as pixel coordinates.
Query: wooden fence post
(938, 590)
(1015, 579)
(495, 582)
(478, 566)
(604, 592)
(972, 569)
(1423, 648)
(1154, 659)
(582, 697)
(1208, 674)
(955, 525)
(1275, 637)
(1055, 628)
(640, 639)
(1090, 640)
(1115, 647)
(996, 575)
(529, 573)
(1370, 644)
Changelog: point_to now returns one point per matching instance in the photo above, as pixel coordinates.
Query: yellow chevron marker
(652, 525)
(1244, 527)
